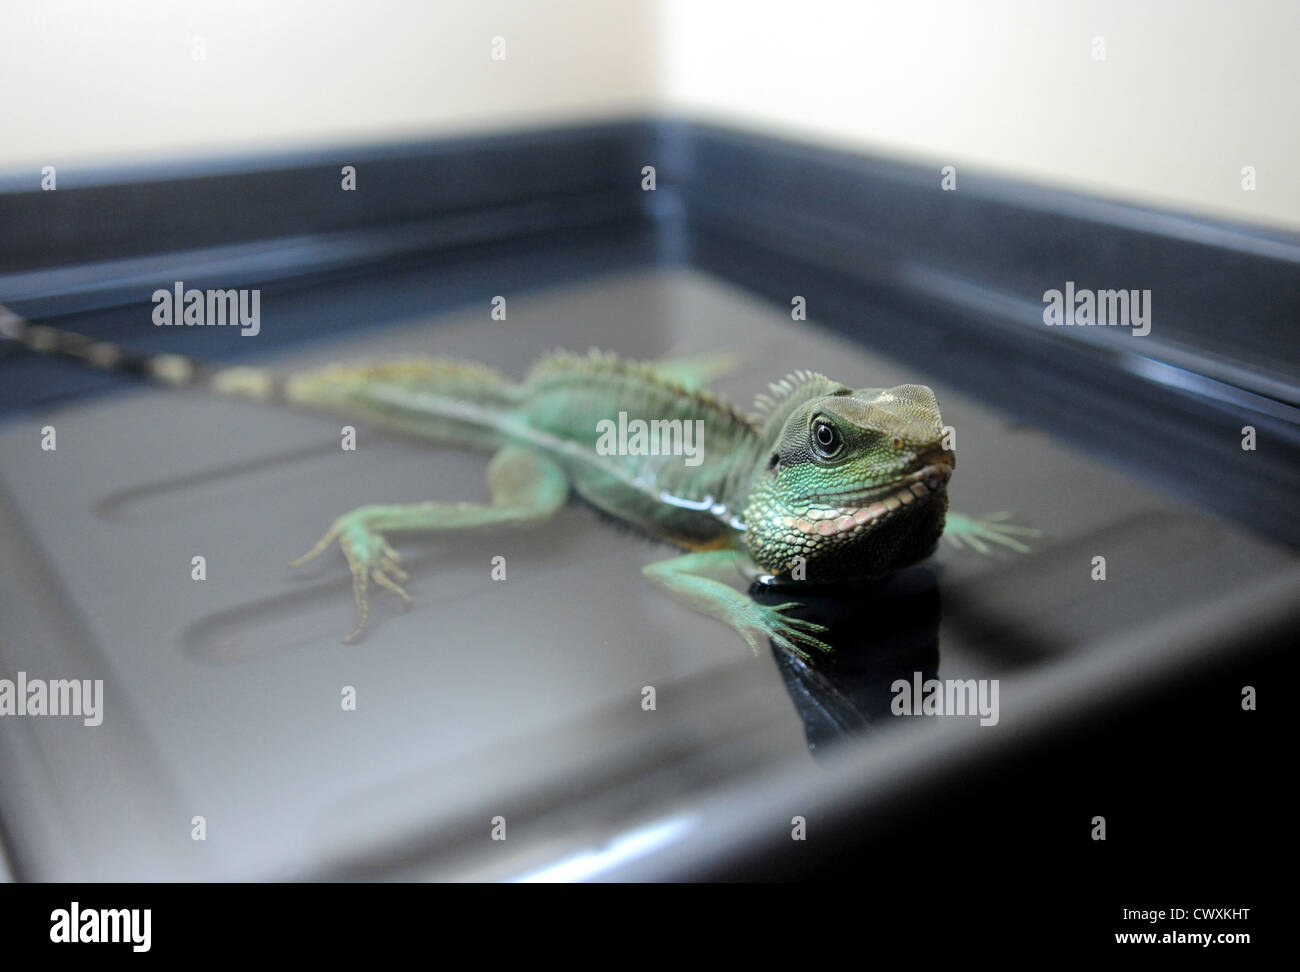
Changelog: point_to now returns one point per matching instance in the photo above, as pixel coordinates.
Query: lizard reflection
(879, 633)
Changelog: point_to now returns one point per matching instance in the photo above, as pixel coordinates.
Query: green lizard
(821, 485)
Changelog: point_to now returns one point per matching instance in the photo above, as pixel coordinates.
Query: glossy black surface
(520, 699)
(524, 699)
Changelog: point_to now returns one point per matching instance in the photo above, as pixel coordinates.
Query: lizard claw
(370, 558)
(786, 632)
(321, 546)
(993, 528)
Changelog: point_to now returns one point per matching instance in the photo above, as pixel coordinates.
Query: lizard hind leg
(694, 372)
(527, 488)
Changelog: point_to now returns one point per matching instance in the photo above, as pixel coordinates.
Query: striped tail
(447, 400)
(175, 370)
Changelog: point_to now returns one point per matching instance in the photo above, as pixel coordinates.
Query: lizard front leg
(526, 487)
(685, 577)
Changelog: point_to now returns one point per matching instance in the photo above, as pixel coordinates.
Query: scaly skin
(823, 485)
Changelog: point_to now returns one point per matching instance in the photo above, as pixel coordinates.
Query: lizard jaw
(926, 483)
(832, 523)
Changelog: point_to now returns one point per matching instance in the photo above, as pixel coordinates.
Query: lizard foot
(979, 532)
(788, 633)
(370, 558)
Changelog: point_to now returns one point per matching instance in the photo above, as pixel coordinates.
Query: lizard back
(650, 452)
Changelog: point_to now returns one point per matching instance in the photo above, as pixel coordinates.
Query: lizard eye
(826, 440)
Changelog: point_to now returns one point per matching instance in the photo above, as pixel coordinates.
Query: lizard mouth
(867, 510)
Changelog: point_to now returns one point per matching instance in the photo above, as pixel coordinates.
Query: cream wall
(97, 79)
(1190, 91)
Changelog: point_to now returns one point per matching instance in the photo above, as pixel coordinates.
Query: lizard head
(854, 482)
